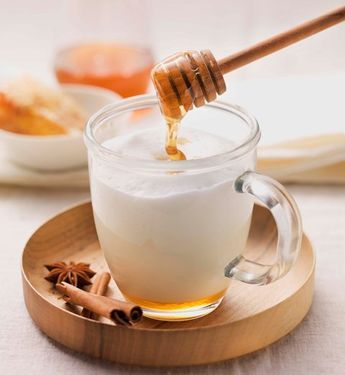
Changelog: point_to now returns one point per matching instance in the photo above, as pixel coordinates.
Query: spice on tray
(77, 274)
(120, 312)
(98, 287)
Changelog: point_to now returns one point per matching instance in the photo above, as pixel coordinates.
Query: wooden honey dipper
(191, 78)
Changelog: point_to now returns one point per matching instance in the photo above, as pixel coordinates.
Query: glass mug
(173, 233)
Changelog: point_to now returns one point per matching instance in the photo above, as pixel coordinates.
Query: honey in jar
(122, 68)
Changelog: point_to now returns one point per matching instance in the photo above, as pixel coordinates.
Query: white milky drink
(168, 236)
(172, 229)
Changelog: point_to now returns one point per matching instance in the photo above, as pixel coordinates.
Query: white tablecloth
(315, 347)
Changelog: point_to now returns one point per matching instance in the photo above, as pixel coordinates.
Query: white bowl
(57, 152)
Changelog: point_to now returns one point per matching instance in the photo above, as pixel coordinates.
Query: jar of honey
(106, 44)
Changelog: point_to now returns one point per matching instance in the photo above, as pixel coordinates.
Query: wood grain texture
(249, 318)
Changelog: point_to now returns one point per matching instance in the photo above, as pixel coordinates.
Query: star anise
(77, 274)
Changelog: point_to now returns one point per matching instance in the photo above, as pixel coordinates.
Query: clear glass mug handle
(286, 215)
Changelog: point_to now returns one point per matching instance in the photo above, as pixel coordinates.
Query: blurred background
(32, 30)
(296, 93)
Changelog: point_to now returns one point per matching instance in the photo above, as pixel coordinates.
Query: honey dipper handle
(282, 40)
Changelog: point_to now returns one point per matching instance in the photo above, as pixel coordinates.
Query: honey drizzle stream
(171, 139)
(172, 121)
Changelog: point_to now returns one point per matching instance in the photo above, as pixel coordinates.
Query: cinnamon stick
(98, 287)
(120, 312)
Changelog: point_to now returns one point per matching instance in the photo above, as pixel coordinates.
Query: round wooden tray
(249, 318)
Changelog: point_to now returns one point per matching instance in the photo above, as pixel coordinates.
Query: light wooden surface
(316, 346)
(249, 318)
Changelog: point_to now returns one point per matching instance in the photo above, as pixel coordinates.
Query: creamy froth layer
(149, 144)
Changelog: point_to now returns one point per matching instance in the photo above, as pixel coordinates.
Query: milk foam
(149, 144)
